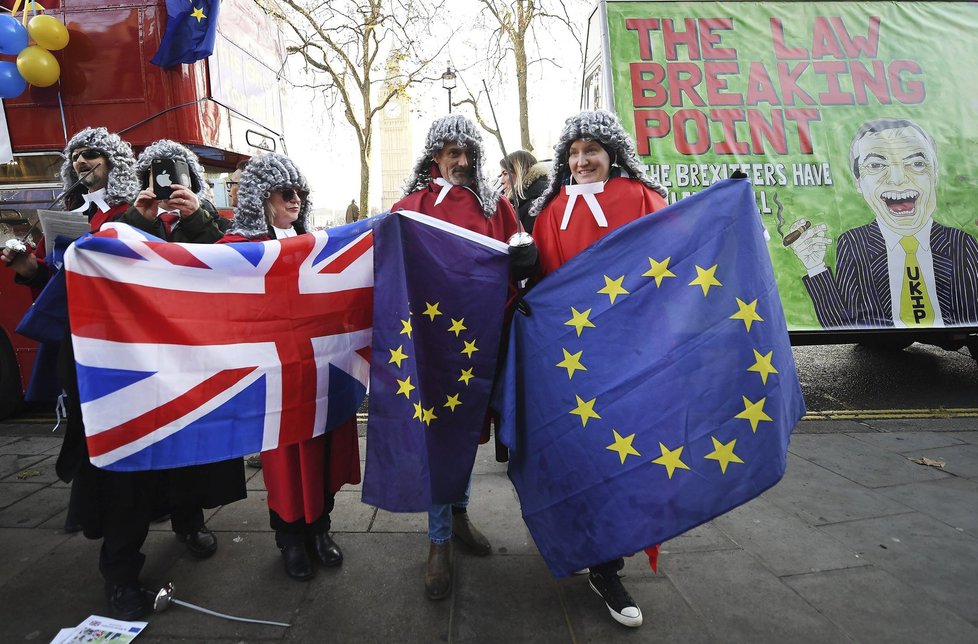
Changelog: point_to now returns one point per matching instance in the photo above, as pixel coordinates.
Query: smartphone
(164, 173)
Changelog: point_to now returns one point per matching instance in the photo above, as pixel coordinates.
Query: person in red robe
(448, 183)
(596, 185)
(301, 479)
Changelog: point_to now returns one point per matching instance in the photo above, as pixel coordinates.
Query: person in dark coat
(524, 180)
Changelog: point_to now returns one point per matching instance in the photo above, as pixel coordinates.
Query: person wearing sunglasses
(303, 478)
(106, 165)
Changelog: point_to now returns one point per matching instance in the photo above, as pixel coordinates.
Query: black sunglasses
(89, 154)
(288, 194)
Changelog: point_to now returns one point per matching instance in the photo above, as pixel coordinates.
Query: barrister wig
(601, 126)
(122, 184)
(167, 149)
(454, 128)
(260, 177)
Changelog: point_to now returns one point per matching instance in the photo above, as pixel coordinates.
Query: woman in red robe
(596, 185)
(301, 479)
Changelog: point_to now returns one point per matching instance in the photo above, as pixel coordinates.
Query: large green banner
(857, 123)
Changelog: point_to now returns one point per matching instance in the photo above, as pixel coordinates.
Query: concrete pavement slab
(247, 515)
(925, 554)
(872, 606)
(741, 601)
(34, 510)
(491, 591)
(904, 442)
(11, 464)
(377, 595)
(23, 547)
(707, 536)
(968, 437)
(959, 460)
(349, 513)
(385, 521)
(41, 471)
(13, 493)
(43, 443)
(817, 495)
(859, 462)
(783, 542)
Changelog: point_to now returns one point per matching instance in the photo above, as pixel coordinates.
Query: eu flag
(191, 28)
(439, 296)
(652, 387)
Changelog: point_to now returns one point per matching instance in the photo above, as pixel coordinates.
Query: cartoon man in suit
(903, 269)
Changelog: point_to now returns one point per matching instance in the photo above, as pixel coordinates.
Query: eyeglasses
(88, 155)
(288, 194)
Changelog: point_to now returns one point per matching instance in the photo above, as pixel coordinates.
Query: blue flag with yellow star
(439, 297)
(652, 387)
(191, 28)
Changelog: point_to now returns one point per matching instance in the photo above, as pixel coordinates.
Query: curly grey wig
(601, 126)
(260, 177)
(453, 128)
(167, 149)
(122, 185)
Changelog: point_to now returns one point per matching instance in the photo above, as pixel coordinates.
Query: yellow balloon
(38, 66)
(48, 32)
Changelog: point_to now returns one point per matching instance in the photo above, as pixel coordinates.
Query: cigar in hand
(793, 236)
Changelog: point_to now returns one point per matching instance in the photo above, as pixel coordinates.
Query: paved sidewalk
(857, 543)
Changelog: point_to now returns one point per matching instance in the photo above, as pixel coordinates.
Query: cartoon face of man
(896, 173)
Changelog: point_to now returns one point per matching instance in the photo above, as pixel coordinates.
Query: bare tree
(513, 25)
(366, 52)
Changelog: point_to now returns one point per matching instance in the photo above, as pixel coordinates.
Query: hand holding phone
(166, 172)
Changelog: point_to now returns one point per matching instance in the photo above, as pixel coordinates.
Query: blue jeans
(440, 518)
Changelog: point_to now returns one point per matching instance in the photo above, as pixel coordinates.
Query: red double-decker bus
(225, 108)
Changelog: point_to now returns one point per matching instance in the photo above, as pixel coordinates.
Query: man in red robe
(448, 183)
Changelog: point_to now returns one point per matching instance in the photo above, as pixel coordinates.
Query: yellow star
(457, 326)
(417, 411)
(466, 376)
(723, 454)
(406, 328)
(613, 288)
(762, 365)
(747, 313)
(198, 13)
(705, 278)
(405, 387)
(585, 410)
(453, 401)
(571, 362)
(469, 349)
(397, 355)
(754, 412)
(623, 446)
(431, 310)
(429, 415)
(670, 459)
(659, 271)
(579, 320)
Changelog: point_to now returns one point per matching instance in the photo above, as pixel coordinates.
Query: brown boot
(469, 535)
(438, 575)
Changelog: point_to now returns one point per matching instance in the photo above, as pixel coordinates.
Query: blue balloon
(11, 82)
(13, 36)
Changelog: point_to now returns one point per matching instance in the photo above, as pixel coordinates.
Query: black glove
(738, 174)
(524, 260)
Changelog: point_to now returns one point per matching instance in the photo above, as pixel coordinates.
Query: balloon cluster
(35, 63)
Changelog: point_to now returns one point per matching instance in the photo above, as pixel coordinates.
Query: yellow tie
(915, 306)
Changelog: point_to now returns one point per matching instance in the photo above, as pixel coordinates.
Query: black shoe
(297, 564)
(326, 550)
(200, 543)
(127, 602)
(620, 604)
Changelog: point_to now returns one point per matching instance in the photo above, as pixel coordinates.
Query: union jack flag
(195, 353)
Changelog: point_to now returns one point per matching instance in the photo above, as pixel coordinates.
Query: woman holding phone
(302, 478)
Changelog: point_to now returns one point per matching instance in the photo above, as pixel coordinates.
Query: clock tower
(395, 148)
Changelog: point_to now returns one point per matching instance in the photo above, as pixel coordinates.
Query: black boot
(127, 602)
(328, 553)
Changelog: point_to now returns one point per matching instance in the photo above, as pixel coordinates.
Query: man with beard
(448, 183)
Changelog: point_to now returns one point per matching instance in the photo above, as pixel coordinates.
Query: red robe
(297, 476)
(623, 200)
